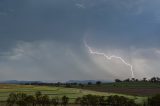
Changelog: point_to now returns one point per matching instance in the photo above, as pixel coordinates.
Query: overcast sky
(44, 39)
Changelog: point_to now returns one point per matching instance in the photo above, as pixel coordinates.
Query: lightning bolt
(110, 57)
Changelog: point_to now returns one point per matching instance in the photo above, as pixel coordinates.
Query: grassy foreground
(72, 93)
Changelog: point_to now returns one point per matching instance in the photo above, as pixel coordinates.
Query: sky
(44, 39)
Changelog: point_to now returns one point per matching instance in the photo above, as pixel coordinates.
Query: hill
(18, 82)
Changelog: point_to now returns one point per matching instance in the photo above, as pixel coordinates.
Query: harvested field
(129, 88)
(129, 91)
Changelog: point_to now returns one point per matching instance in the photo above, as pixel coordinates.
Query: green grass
(72, 93)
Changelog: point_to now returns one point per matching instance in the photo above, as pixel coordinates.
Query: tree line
(60, 83)
(39, 99)
(153, 79)
(22, 99)
(115, 100)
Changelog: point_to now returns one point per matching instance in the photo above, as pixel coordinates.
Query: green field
(72, 93)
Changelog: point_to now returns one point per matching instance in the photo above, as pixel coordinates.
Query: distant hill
(86, 81)
(70, 81)
(19, 82)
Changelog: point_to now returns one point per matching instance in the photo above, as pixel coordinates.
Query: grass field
(72, 93)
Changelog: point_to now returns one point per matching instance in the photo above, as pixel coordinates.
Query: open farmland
(128, 88)
(72, 93)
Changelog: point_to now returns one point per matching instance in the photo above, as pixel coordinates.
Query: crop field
(128, 88)
(72, 93)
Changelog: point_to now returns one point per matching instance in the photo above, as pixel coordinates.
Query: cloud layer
(43, 39)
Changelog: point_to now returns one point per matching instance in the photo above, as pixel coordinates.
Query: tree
(133, 79)
(75, 83)
(78, 100)
(144, 79)
(30, 99)
(116, 100)
(158, 79)
(81, 85)
(98, 82)
(45, 101)
(118, 80)
(55, 101)
(102, 101)
(91, 100)
(11, 99)
(21, 99)
(153, 79)
(65, 100)
(127, 80)
(38, 96)
(89, 83)
(58, 84)
(68, 85)
(136, 80)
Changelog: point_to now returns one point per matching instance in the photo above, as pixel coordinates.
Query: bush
(11, 99)
(94, 100)
(65, 100)
(154, 101)
(21, 99)
(120, 101)
(91, 100)
(55, 101)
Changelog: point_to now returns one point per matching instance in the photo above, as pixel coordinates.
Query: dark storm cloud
(39, 33)
(110, 21)
(36, 20)
(126, 23)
